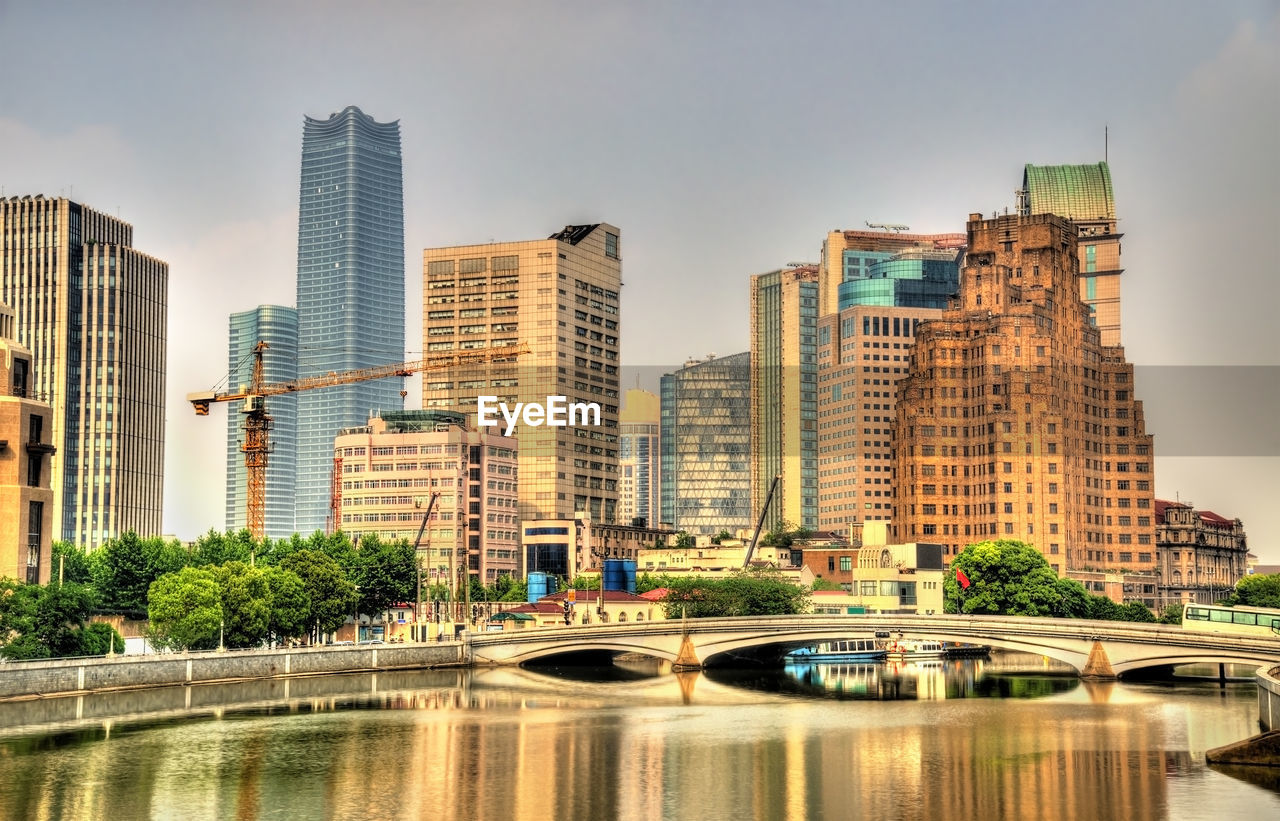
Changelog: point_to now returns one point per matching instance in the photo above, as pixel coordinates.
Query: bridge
(1097, 649)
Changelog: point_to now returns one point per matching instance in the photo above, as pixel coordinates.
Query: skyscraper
(784, 395)
(560, 297)
(887, 267)
(706, 445)
(1014, 421)
(278, 327)
(1083, 194)
(638, 458)
(93, 311)
(350, 287)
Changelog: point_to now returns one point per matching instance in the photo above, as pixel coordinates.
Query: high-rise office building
(350, 288)
(862, 353)
(26, 500)
(891, 283)
(1014, 421)
(559, 296)
(277, 326)
(888, 267)
(784, 395)
(706, 445)
(639, 458)
(1082, 194)
(93, 311)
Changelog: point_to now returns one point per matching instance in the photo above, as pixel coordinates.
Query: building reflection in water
(910, 742)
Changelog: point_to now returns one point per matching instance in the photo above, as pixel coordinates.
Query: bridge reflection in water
(515, 743)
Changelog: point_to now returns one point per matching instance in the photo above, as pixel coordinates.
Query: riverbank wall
(58, 677)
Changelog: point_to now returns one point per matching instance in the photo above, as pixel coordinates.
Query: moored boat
(842, 650)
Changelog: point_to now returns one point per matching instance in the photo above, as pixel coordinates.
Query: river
(945, 740)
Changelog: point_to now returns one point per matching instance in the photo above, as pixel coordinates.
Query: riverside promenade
(61, 677)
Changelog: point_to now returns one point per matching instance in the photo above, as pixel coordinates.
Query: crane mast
(257, 421)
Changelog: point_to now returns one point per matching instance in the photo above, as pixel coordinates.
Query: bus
(1237, 621)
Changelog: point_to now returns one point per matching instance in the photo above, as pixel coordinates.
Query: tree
(825, 584)
(784, 534)
(71, 564)
(509, 589)
(48, 622)
(1008, 577)
(246, 604)
(1262, 590)
(289, 603)
(99, 638)
(1171, 614)
(330, 594)
(721, 536)
(124, 568)
(386, 573)
(185, 609)
(215, 548)
(683, 540)
(756, 592)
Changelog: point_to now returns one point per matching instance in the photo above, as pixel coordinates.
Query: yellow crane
(257, 422)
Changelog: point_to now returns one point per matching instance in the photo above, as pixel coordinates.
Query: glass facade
(706, 446)
(908, 279)
(350, 288)
(278, 327)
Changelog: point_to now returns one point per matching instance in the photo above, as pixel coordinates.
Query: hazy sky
(723, 138)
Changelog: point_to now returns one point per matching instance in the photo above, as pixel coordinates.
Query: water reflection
(924, 680)
(521, 744)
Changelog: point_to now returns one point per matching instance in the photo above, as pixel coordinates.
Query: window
(610, 245)
(846, 563)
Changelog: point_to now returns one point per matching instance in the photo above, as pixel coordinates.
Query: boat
(843, 650)
(916, 649)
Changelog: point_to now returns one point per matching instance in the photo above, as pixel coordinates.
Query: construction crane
(257, 422)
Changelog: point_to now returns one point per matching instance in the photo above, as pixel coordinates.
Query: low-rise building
(1200, 554)
(877, 577)
(26, 499)
(567, 548)
(585, 607)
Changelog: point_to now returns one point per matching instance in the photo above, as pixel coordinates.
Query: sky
(723, 138)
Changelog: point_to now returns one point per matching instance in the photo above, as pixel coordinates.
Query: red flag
(962, 578)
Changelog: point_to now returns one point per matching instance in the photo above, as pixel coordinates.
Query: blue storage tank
(540, 584)
(620, 574)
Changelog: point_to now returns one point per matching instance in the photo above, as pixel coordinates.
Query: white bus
(1240, 621)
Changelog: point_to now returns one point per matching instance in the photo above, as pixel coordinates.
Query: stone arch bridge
(1097, 649)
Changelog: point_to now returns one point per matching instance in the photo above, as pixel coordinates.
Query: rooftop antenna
(1106, 140)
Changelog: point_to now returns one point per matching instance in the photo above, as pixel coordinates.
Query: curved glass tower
(350, 288)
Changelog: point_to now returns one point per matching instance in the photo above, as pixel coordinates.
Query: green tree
(756, 592)
(721, 536)
(1171, 614)
(52, 621)
(71, 563)
(1136, 611)
(509, 589)
(1261, 590)
(330, 594)
(185, 609)
(784, 534)
(124, 568)
(61, 613)
(289, 602)
(825, 584)
(99, 638)
(214, 548)
(386, 573)
(683, 540)
(1007, 577)
(246, 604)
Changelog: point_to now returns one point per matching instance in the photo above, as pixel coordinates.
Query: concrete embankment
(54, 677)
(1262, 750)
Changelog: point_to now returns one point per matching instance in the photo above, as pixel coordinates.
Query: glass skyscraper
(706, 446)
(350, 288)
(278, 327)
(913, 278)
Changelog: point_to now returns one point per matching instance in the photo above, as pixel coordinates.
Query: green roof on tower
(1078, 192)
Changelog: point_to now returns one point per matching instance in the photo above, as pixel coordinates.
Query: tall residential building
(559, 296)
(639, 458)
(784, 395)
(1082, 194)
(706, 446)
(26, 500)
(392, 468)
(1202, 555)
(278, 327)
(885, 268)
(1014, 421)
(350, 288)
(93, 311)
